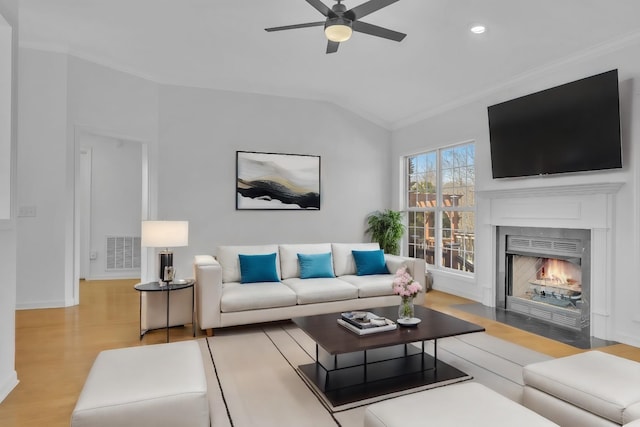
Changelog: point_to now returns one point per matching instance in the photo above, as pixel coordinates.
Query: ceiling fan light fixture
(338, 30)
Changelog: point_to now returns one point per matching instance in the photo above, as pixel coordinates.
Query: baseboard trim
(40, 304)
(8, 385)
(627, 339)
(108, 277)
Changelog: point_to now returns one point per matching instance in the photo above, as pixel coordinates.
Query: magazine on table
(365, 322)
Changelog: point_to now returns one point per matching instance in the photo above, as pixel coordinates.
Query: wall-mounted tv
(570, 128)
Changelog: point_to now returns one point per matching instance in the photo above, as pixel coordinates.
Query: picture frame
(277, 181)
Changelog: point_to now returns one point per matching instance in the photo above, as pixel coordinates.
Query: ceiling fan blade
(374, 30)
(292, 27)
(322, 8)
(332, 47)
(366, 8)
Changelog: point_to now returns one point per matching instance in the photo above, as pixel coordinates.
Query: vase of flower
(406, 309)
(407, 289)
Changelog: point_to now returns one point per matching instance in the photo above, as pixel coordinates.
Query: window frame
(439, 209)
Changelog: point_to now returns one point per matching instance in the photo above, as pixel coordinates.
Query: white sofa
(222, 300)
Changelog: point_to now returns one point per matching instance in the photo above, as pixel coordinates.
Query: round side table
(172, 286)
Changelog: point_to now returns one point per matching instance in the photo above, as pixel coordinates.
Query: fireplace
(546, 274)
(587, 209)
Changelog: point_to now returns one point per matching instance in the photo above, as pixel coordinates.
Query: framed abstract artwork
(275, 181)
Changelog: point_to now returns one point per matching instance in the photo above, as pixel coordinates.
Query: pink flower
(404, 285)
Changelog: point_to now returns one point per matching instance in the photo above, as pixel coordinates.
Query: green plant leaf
(387, 229)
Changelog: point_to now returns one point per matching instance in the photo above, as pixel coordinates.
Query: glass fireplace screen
(553, 281)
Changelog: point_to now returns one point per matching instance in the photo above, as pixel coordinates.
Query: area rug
(254, 380)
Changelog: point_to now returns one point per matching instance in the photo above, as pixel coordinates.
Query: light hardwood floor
(55, 348)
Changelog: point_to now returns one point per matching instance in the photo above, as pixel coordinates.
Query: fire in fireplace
(546, 280)
(545, 275)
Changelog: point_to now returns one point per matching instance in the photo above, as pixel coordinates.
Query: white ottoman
(157, 386)
(587, 389)
(464, 404)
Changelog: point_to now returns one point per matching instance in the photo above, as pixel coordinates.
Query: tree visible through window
(441, 207)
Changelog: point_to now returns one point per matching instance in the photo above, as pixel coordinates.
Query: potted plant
(387, 229)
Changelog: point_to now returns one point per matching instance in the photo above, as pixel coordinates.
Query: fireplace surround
(546, 274)
(587, 206)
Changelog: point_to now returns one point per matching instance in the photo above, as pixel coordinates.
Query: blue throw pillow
(258, 268)
(370, 262)
(315, 265)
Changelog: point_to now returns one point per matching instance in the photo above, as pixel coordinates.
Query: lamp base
(166, 260)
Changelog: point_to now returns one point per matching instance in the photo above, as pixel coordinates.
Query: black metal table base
(345, 385)
(168, 288)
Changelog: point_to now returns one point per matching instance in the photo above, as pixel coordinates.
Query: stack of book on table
(365, 322)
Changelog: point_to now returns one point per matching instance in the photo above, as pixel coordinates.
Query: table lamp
(165, 234)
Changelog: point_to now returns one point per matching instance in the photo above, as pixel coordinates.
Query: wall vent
(544, 246)
(123, 253)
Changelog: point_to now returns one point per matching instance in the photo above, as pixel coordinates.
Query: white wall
(42, 164)
(469, 121)
(60, 97)
(8, 375)
(6, 64)
(200, 132)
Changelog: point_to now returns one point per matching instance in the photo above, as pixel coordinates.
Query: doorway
(111, 190)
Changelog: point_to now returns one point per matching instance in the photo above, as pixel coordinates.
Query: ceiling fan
(340, 22)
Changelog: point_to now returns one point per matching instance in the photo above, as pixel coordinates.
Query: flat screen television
(569, 128)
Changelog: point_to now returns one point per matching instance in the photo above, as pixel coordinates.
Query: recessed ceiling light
(478, 29)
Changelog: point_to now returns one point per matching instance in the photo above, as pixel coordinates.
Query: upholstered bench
(464, 404)
(156, 386)
(587, 389)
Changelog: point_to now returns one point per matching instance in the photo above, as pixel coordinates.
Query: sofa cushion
(289, 264)
(374, 285)
(310, 291)
(230, 262)
(253, 296)
(343, 262)
(600, 383)
(395, 263)
(370, 262)
(258, 268)
(315, 265)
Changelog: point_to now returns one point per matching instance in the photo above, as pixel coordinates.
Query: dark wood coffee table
(351, 368)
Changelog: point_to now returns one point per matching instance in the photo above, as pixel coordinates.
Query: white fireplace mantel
(586, 206)
(581, 206)
(578, 189)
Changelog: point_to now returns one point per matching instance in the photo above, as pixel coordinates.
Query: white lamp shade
(165, 234)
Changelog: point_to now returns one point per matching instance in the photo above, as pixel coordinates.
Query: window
(440, 201)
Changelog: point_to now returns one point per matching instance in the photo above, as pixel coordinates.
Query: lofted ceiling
(222, 44)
